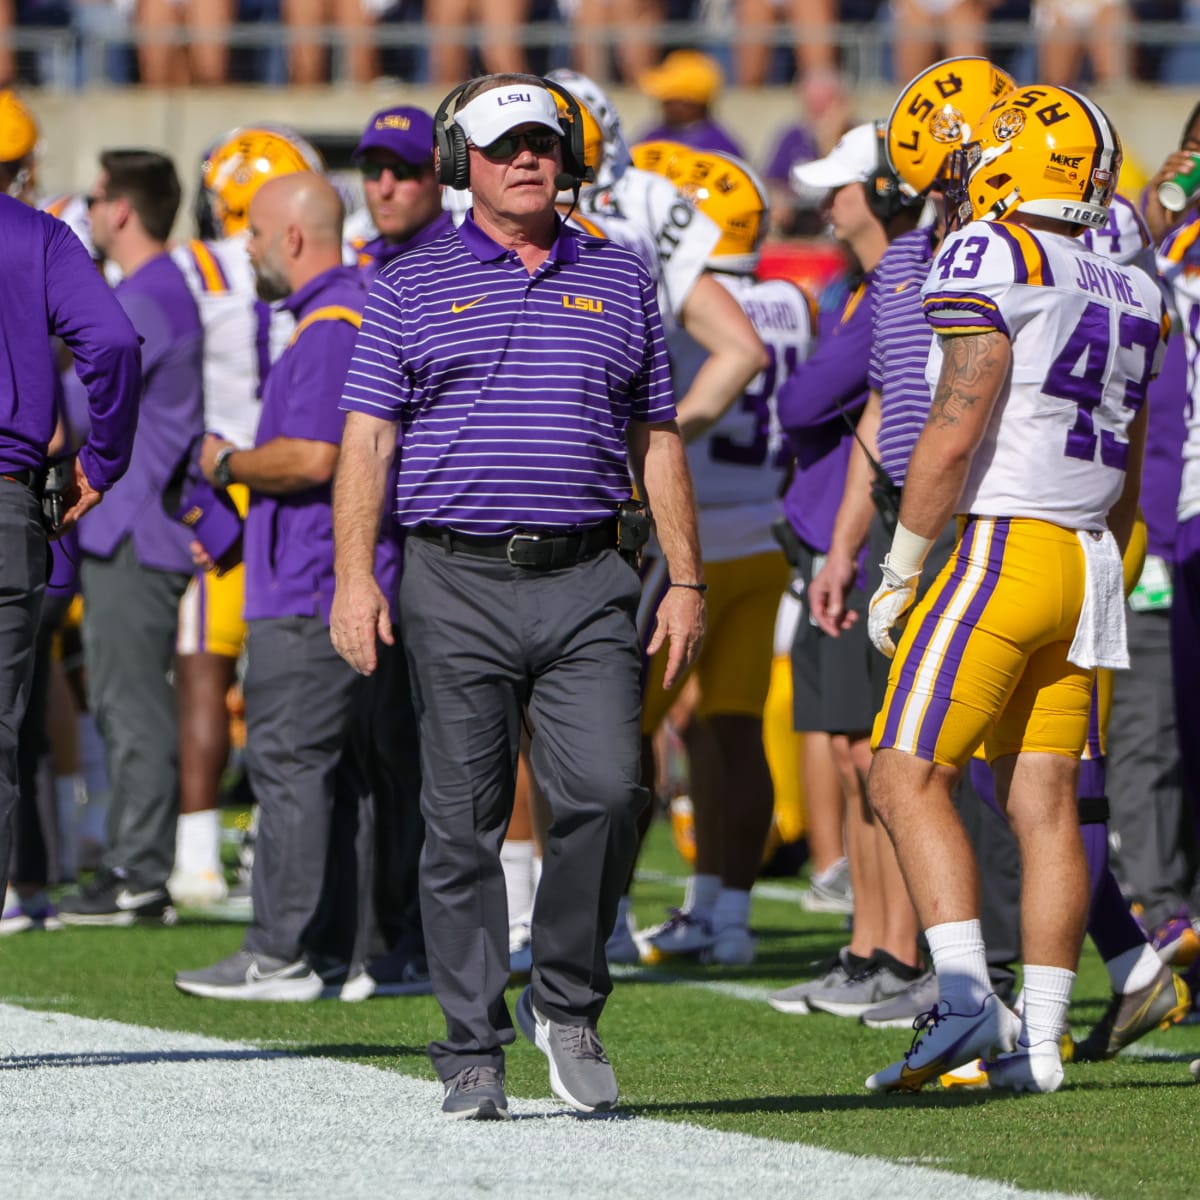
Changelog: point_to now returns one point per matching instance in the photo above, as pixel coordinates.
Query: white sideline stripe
(789, 893)
(178, 1115)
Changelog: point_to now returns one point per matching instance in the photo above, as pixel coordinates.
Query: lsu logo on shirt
(583, 303)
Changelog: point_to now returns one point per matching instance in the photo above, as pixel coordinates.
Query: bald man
(299, 693)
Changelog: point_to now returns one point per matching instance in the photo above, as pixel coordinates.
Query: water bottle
(1178, 192)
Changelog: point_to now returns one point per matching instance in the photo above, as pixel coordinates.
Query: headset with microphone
(885, 197)
(453, 159)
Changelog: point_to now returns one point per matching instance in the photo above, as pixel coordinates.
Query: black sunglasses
(509, 145)
(402, 172)
(92, 201)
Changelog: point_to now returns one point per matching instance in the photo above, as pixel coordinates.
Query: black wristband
(692, 587)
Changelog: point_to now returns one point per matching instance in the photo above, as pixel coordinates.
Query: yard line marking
(176, 1114)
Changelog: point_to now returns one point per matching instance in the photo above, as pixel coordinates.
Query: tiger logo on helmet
(1046, 151)
(938, 111)
(725, 189)
(237, 165)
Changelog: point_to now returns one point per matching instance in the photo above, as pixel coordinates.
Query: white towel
(1100, 634)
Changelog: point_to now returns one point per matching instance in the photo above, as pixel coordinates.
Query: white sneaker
(681, 933)
(733, 946)
(1029, 1069)
(197, 889)
(946, 1040)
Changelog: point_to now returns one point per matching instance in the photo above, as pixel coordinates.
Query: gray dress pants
(23, 576)
(485, 639)
(130, 616)
(299, 700)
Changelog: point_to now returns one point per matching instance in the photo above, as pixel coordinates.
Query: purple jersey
(795, 145)
(512, 391)
(900, 345)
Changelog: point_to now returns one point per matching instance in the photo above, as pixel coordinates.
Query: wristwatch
(222, 471)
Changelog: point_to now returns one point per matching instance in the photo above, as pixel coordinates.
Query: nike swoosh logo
(254, 975)
(457, 308)
(126, 899)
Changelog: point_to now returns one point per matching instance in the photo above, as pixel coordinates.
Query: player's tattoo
(972, 366)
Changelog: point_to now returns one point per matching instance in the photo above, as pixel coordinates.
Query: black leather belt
(540, 551)
(28, 476)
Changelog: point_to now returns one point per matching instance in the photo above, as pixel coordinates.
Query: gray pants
(299, 697)
(485, 639)
(131, 613)
(23, 563)
(1145, 785)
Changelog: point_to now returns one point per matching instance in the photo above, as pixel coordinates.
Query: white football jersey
(1087, 336)
(683, 236)
(1179, 262)
(242, 334)
(624, 233)
(738, 466)
(1125, 239)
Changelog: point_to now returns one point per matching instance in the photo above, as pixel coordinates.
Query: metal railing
(66, 58)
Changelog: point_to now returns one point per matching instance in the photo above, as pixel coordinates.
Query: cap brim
(823, 174)
(380, 143)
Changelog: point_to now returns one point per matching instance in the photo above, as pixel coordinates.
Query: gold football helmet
(242, 161)
(938, 112)
(658, 156)
(1041, 150)
(728, 191)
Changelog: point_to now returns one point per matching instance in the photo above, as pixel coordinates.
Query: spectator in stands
(353, 21)
(8, 58)
(686, 83)
(1069, 29)
(182, 42)
(620, 30)
(925, 31)
(498, 23)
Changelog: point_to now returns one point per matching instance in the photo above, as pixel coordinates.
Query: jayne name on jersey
(1110, 282)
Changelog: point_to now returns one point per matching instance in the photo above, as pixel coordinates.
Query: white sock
(960, 963)
(1047, 993)
(517, 860)
(1134, 969)
(700, 896)
(535, 871)
(732, 910)
(198, 842)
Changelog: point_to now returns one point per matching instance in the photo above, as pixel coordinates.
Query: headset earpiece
(453, 160)
(884, 195)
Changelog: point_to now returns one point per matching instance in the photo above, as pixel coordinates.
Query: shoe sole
(838, 1008)
(487, 1111)
(28, 925)
(528, 1024)
(280, 991)
(122, 920)
(819, 904)
(905, 1022)
(797, 1008)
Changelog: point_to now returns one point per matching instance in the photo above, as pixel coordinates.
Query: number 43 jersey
(1087, 336)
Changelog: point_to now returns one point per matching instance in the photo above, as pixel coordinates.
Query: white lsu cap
(853, 160)
(491, 114)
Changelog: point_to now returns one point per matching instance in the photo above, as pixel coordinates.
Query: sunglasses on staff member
(509, 145)
(402, 172)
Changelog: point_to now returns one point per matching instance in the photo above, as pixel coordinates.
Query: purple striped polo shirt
(900, 342)
(512, 391)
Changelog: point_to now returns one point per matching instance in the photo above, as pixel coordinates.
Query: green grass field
(697, 1045)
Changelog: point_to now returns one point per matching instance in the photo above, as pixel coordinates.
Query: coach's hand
(679, 622)
(828, 591)
(889, 607)
(359, 615)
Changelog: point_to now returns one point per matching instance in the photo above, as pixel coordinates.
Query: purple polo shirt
(796, 145)
(50, 287)
(700, 135)
(380, 252)
(831, 381)
(900, 349)
(171, 416)
(513, 391)
(288, 541)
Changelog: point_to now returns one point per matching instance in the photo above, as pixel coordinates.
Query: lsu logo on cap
(393, 121)
(515, 98)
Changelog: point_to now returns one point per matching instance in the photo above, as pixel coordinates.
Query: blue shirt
(288, 541)
(900, 343)
(513, 391)
(49, 286)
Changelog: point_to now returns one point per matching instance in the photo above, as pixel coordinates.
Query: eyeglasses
(402, 172)
(509, 145)
(92, 201)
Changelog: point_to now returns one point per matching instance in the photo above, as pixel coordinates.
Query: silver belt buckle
(521, 538)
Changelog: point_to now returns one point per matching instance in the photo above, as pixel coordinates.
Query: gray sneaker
(830, 891)
(903, 1009)
(863, 990)
(476, 1094)
(248, 976)
(795, 999)
(580, 1072)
